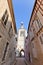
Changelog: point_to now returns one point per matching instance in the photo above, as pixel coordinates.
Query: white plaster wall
(21, 39)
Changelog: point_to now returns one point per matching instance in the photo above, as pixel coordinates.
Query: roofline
(12, 14)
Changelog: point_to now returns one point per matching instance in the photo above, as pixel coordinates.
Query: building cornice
(12, 14)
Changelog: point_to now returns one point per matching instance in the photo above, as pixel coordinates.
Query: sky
(22, 11)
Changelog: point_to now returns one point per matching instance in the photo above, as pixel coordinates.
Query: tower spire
(22, 26)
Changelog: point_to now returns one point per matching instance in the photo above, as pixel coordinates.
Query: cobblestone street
(20, 61)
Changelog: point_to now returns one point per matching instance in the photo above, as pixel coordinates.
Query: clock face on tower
(22, 33)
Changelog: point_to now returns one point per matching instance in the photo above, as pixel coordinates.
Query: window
(27, 37)
(6, 20)
(35, 26)
(39, 23)
(0, 36)
(16, 39)
(22, 33)
(6, 11)
(5, 17)
(11, 26)
(5, 51)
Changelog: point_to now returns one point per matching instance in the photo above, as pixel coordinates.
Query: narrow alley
(21, 32)
(20, 61)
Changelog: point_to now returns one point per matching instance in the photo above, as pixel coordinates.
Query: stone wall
(7, 39)
(35, 31)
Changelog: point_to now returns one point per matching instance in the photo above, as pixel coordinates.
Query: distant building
(22, 33)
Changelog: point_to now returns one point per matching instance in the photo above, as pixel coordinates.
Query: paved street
(20, 61)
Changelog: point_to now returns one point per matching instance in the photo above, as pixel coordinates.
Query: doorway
(22, 53)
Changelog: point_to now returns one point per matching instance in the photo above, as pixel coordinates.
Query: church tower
(22, 33)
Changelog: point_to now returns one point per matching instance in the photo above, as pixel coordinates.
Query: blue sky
(22, 11)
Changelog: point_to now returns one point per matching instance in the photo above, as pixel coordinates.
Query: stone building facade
(35, 34)
(7, 33)
(27, 48)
